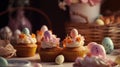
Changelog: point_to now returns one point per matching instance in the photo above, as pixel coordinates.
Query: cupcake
(73, 46)
(26, 44)
(40, 34)
(6, 49)
(49, 49)
(93, 62)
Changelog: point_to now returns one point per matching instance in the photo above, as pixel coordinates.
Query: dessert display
(93, 62)
(40, 34)
(49, 49)
(108, 45)
(26, 44)
(73, 46)
(6, 49)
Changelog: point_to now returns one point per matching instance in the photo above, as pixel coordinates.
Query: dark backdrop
(57, 16)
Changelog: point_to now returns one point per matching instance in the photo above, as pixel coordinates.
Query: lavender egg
(44, 28)
(74, 33)
(47, 34)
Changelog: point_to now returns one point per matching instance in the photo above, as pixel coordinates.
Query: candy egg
(96, 50)
(47, 34)
(108, 44)
(59, 59)
(3, 62)
(73, 33)
(44, 28)
(99, 22)
(17, 32)
(26, 31)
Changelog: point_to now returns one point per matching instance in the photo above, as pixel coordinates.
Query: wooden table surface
(36, 59)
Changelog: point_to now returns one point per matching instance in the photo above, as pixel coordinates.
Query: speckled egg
(99, 22)
(3, 62)
(44, 28)
(74, 33)
(26, 31)
(108, 44)
(59, 59)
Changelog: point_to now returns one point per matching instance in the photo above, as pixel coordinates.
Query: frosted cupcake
(49, 49)
(73, 46)
(26, 44)
(40, 34)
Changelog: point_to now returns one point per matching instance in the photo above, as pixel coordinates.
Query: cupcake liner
(25, 51)
(70, 54)
(49, 55)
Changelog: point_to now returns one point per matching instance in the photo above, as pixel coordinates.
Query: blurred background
(57, 16)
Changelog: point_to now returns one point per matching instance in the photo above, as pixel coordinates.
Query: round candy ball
(3, 62)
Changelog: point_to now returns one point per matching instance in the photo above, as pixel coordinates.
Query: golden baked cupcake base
(71, 54)
(25, 50)
(49, 54)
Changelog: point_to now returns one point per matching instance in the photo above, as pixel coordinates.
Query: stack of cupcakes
(73, 46)
(49, 48)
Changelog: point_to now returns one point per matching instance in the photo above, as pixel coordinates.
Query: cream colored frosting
(27, 39)
(53, 42)
(75, 43)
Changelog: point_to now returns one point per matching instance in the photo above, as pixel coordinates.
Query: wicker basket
(96, 33)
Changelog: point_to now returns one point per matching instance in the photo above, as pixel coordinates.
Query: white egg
(44, 28)
(17, 32)
(74, 33)
(59, 59)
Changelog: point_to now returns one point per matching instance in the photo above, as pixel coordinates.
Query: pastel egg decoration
(59, 59)
(99, 22)
(74, 33)
(44, 28)
(108, 45)
(3, 62)
(47, 35)
(26, 31)
(96, 49)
